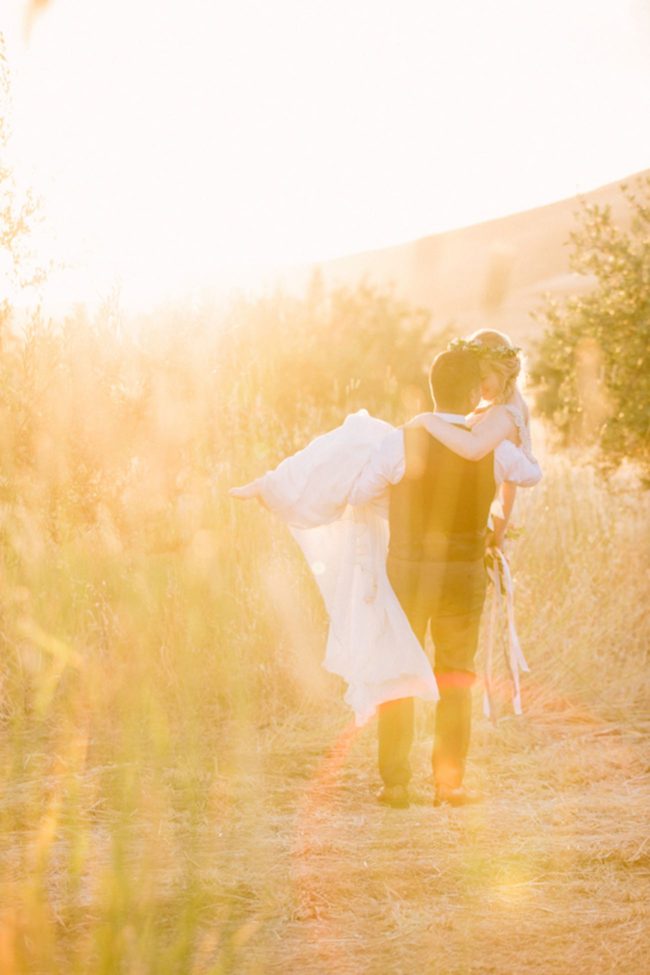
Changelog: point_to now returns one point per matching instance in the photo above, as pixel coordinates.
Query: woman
(505, 416)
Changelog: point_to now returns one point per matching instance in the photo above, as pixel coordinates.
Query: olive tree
(592, 365)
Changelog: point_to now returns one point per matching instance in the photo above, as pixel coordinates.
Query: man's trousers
(448, 597)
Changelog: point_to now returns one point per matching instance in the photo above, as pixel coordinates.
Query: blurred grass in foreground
(165, 716)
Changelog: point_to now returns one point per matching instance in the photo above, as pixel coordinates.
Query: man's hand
(494, 541)
(496, 537)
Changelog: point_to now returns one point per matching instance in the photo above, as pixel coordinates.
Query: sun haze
(177, 145)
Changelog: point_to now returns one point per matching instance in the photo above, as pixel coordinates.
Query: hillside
(491, 272)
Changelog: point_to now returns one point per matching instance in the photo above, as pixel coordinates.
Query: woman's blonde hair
(504, 363)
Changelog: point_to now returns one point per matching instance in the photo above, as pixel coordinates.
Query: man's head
(455, 381)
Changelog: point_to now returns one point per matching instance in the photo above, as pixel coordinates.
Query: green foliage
(163, 708)
(592, 368)
(118, 447)
(153, 628)
(315, 358)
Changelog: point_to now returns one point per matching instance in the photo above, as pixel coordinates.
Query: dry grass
(182, 790)
(547, 874)
(288, 864)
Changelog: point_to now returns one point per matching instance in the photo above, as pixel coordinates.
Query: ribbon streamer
(502, 589)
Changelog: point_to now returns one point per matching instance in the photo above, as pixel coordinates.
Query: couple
(394, 523)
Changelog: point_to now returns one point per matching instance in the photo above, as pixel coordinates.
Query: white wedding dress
(370, 644)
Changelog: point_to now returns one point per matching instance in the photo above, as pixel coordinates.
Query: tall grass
(162, 644)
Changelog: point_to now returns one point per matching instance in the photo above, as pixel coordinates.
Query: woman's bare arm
(495, 426)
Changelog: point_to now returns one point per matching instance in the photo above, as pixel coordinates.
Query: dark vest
(439, 510)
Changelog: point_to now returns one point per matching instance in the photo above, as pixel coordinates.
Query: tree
(18, 209)
(591, 370)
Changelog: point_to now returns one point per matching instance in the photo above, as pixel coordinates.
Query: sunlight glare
(179, 146)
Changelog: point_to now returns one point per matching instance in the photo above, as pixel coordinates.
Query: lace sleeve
(522, 430)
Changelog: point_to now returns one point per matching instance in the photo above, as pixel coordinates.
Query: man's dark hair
(453, 378)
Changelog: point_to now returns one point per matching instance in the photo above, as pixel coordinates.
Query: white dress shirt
(386, 465)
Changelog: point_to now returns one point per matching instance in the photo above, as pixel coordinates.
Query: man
(438, 514)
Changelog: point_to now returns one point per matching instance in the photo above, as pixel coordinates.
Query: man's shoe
(456, 797)
(395, 796)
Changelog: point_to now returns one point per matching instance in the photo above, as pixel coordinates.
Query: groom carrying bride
(439, 504)
(384, 584)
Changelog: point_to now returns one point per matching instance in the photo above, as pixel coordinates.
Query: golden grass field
(183, 791)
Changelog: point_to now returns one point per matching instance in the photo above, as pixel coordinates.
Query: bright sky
(175, 141)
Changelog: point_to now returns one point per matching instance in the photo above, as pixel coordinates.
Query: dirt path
(550, 874)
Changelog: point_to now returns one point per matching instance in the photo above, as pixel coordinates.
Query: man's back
(439, 510)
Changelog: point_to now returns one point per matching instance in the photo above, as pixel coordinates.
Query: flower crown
(484, 351)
